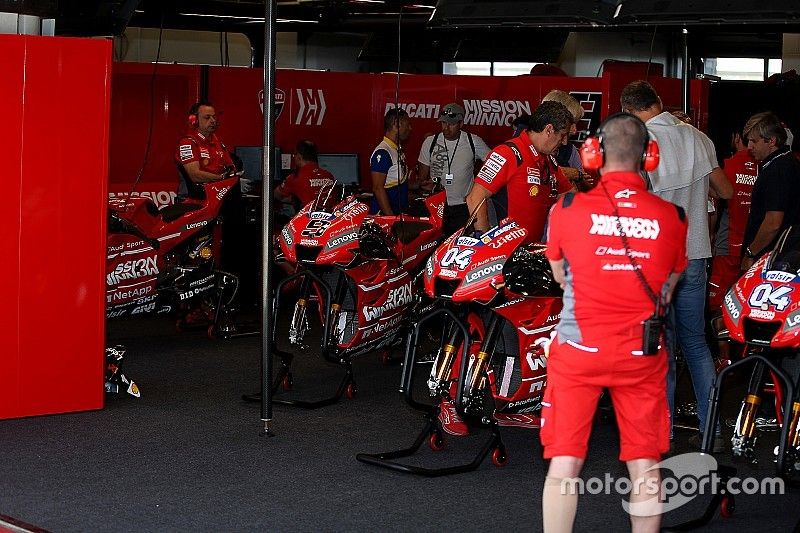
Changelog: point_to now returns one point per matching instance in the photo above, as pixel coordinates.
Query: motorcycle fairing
(467, 269)
(763, 306)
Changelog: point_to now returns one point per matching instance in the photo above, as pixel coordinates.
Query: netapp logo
(495, 112)
(635, 228)
(745, 179)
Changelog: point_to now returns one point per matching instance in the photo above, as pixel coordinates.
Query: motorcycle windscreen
(786, 257)
(328, 197)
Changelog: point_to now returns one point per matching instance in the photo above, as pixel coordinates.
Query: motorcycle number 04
(460, 258)
(766, 294)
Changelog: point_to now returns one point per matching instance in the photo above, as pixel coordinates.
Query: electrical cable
(650, 60)
(152, 106)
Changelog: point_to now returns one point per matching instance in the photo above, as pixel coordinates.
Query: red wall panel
(62, 219)
(150, 102)
(12, 96)
(341, 112)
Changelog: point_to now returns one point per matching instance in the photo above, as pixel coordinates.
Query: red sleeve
(497, 170)
(187, 151)
(553, 237)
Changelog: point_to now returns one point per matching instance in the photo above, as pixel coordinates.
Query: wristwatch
(748, 253)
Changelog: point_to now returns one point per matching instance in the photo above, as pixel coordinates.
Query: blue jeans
(687, 324)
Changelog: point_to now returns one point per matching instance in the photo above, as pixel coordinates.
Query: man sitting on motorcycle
(201, 156)
(525, 166)
(308, 178)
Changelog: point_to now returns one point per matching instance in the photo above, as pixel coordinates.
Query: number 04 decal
(461, 258)
(769, 295)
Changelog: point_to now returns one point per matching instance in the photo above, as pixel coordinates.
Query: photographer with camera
(617, 251)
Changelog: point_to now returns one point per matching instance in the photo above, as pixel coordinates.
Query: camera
(651, 334)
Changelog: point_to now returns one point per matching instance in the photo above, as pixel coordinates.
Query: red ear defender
(651, 156)
(592, 153)
(193, 120)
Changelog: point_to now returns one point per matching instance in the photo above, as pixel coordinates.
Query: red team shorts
(725, 270)
(577, 374)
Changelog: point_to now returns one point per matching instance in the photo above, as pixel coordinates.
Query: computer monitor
(344, 167)
(252, 165)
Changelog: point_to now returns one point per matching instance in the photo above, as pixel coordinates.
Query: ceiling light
(234, 17)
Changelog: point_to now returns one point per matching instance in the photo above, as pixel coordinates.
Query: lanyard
(447, 152)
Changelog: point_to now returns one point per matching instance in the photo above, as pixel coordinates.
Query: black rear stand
(432, 431)
(721, 498)
(347, 385)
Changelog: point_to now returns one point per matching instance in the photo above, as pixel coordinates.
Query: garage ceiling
(455, 29)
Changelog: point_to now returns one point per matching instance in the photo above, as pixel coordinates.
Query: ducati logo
(280, 99)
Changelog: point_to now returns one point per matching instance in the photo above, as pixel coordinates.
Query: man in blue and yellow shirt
(388, 165)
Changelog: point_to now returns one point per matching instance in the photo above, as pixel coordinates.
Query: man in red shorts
(525, 167)
(616, 251)
(308, 178)
(201, 156)
(741, 169)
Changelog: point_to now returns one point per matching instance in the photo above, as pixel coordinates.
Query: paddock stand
(283, 377)
(432, 431)
(721, 499)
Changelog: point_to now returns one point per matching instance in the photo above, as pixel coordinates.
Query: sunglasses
(451, 114)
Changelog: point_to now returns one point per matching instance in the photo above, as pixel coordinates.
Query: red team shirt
(306, 182)
(599, 338)
(210, 152)
(533, 182)
(605, 295)
(741, 170)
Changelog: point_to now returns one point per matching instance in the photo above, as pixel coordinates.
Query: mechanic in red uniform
(525, 167)
(599, 339)
(741, 169)
(308, 178)
(201, 156)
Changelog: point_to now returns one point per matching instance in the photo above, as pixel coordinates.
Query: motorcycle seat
(175, 211)
(407, 231)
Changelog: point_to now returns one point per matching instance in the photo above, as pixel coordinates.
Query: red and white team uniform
(599, 336)
(742, 171)
(306, 183)
(210, 152)
(533, 182)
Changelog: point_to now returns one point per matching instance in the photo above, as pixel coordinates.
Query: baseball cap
(452, 113)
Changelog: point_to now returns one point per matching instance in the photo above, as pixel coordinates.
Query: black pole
(686, 70)
(270, 9)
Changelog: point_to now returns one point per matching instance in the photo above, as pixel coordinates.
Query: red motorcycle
(488, 281)
(164, 261)
(361, 272)
(762, 312)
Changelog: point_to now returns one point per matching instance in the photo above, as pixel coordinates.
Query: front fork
(744, 434)
(439, 380)
(336, 332)
(299, 324)
(475, 391)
